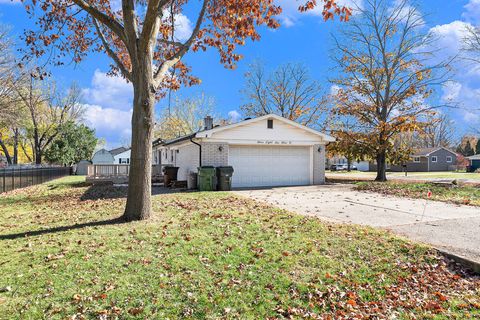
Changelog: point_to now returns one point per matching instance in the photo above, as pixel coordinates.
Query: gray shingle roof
(116, 151)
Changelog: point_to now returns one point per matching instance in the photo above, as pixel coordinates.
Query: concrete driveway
(451, 228)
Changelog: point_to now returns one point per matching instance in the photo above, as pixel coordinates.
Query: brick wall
(318, 164)
(212, 156)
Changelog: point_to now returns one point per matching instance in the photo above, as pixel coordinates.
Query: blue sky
(302, 38)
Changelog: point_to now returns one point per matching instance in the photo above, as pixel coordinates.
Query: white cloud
(110, 92)
(183, 25)
(464, 89)
(471, 118)
(451, 91)
(111, 124)
(234, 116)
(472, 12)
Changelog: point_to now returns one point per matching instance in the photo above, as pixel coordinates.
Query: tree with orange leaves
(386, 78)
(139, 36)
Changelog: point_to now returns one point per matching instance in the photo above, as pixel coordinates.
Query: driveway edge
(470, 264)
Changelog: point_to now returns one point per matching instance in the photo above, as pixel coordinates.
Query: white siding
(258, 132)
(102, 157)
(123, 155)
(187, 159)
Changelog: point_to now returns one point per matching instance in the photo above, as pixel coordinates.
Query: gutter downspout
(200, 153)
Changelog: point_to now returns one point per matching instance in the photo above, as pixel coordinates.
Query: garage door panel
(270, 165)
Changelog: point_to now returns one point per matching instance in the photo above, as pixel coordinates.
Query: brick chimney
(208, 122)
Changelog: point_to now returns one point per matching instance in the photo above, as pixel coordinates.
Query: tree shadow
(13, 236)
(108, 191)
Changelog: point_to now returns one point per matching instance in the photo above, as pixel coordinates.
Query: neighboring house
(266, 151)
(115, 156)
(474, 162)
(433, 159)
(103, 156)
(426, 160)
(122, 158)
(360, 165)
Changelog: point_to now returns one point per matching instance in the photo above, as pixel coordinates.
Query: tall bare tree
(11, 115)
(289, 92)
(185, 117)
(48, 109)
(386, 76)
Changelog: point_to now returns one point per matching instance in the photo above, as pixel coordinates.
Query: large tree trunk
(381, 166)
(139, 205)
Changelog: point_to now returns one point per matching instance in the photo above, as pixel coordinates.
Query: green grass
(65, 255)
(411, 175)
(468, 195)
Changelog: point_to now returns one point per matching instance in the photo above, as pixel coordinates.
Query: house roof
(207, 133)
(425, 152)
(117, 151)
(179, 139)
(157, 142)
(475, 157)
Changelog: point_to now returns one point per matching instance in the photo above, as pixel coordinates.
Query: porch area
(117, 173)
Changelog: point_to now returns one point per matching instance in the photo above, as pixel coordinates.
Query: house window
(270, 124)
(449, 159)
(171, 155)
(416, 159)
(434, 159)
(124, 161)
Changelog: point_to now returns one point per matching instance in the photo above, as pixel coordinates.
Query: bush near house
(469, 195)
(65, 255)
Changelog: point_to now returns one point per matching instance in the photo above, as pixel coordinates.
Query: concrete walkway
(451, 228)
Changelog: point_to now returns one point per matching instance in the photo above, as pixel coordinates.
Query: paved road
(453, 228)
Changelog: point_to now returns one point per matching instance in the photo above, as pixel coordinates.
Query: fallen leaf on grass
(135, 311)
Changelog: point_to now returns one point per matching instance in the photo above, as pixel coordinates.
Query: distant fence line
(12, 178)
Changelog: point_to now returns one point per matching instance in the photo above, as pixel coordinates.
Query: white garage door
(261, 166)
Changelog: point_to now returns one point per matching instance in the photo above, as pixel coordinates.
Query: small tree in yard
(74, 143)
(140, 39)
(385, 77)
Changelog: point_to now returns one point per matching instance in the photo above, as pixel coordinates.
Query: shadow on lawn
(104, 192)
(13, 236)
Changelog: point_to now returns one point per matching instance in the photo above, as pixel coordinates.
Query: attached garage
(264, 152)
(263, 166)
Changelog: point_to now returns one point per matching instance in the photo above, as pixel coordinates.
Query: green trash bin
(206, 178)
(224, 178)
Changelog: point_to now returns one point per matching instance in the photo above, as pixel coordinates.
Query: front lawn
(65, 255)
(468, 195)
(447, 175)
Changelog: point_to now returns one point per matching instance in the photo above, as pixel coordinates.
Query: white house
(115, 156)
(102, 156)
(123, 157)
(266, 151)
